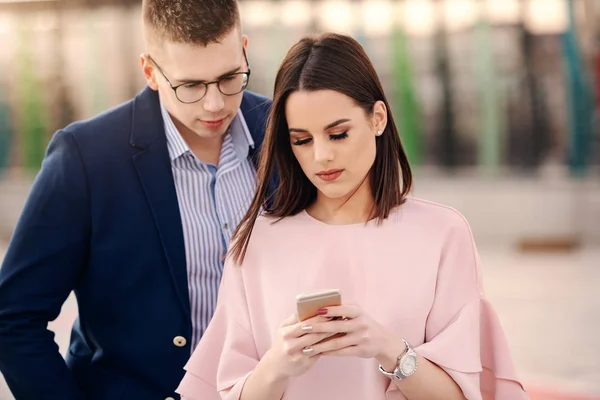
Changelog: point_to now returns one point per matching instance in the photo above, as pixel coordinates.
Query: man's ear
(148, 71)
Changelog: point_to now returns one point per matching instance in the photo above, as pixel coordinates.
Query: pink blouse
(417, 274)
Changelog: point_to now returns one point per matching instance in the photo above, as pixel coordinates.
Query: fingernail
(307, 350)
(322, 311)
(306, 328)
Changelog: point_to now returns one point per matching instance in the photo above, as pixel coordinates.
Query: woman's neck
(354, 208)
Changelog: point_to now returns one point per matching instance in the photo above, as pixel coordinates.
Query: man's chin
(210, 133)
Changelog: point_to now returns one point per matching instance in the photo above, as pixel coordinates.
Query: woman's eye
(300, 142)
(339, 136)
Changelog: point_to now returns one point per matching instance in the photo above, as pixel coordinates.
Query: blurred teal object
(489, 154)
(5, 132)
(580, 102)
(406, 110)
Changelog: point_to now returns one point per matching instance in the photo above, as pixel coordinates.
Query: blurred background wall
(497, 105)
(495, 99)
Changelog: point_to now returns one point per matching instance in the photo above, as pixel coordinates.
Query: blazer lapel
(153, 166)
(255, 110)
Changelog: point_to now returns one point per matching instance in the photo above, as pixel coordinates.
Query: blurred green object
(406, 110)
(5, 132)
(95, 70)
(580, 101)
(32, 116)
(489, 154)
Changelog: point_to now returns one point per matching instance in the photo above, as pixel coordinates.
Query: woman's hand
(364, 337)
(286, 358)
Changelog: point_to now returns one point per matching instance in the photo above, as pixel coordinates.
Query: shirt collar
(175, 143)
(240, 135)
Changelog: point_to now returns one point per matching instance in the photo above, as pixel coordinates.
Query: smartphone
(308, 305)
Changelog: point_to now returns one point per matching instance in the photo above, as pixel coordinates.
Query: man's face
(190, 65)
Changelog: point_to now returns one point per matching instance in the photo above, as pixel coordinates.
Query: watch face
(409, 365)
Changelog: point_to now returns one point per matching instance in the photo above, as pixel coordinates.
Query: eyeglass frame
(206, 84)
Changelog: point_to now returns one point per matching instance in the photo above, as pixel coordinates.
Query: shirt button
(226, 226)
(179, 341)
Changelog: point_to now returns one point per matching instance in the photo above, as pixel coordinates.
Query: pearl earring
(379, 133)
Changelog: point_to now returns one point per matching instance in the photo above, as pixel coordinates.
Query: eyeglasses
(192, 92)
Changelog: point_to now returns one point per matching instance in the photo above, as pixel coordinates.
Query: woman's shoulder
(268, 221)
(270, 232)
(438, 224)
(429, 213)
(270, 226)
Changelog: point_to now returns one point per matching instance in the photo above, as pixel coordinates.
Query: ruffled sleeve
(463, 333)
(226, 354)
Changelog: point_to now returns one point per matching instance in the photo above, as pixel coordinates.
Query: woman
(415, 321)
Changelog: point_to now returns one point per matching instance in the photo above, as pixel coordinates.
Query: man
(133, 210)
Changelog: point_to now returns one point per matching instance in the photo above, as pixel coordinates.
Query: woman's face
(333, 139)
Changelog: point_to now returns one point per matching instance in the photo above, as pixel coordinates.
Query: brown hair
(190, 21)
(326, 62)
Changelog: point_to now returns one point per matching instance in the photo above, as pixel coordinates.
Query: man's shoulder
(109, 118)
(253, 100)
(118, 118)
(255, 109)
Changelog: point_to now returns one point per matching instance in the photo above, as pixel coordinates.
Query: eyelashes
(300, 142)
(339, 136)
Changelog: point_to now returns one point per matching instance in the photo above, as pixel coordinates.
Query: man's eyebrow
(230, 72)
(186, 81)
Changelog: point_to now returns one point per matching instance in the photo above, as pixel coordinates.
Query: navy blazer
(102, 219)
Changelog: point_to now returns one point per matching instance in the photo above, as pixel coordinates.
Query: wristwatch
(406, 366)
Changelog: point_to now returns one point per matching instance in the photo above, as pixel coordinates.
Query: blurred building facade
(489, 91)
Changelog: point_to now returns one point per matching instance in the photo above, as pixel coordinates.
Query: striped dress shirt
(212, 200)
